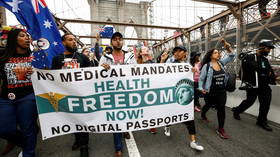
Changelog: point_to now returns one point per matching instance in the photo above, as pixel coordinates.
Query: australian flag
(36, 17)
(106, 31)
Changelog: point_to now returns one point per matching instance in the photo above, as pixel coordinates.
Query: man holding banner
(118, 56)
(71, 59)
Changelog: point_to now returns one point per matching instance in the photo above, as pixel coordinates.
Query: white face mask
(67, 60)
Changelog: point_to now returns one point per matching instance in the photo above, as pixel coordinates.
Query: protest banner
(124, 98)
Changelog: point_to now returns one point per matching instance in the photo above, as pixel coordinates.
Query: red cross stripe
(36, 3)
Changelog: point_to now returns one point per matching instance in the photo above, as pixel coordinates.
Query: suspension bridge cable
(75, 15)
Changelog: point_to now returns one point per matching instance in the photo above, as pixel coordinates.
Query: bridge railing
(240, 32)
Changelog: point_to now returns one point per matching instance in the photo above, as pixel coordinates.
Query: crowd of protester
(18, 113)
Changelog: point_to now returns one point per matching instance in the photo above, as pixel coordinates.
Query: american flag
(36, 17)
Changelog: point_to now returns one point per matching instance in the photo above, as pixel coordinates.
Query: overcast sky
(181, 13)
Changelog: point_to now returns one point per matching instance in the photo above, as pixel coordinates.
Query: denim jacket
(205, 83)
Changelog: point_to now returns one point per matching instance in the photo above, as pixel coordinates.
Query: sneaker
(264, 126)
(235, 114)
(126, 135)
(153, 130)
(20, 154)
(196, 109)
(167, 131)
(118, 154)
(265, 16)
(222, 133)
(196, 146)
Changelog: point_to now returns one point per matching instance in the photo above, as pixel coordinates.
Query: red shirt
(118, 59)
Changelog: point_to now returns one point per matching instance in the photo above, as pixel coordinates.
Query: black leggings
(191, 127)
(196, 94)
(218, 100)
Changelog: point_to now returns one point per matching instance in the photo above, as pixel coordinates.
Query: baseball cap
(116, 34)
(179, 48)
(266, 43)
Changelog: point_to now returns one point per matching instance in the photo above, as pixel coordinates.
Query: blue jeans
(118, 141)
(20, 113)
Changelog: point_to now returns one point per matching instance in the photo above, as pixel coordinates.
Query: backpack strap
(207, 69)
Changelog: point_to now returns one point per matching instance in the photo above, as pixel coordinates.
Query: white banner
(124, 98)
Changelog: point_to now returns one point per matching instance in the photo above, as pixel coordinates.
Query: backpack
(231, 83)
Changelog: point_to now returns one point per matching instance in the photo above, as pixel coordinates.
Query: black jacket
(58, 60)
(250, 66)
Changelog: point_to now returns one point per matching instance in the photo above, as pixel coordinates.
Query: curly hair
(12, 44)
(194, 59)
(207, 58)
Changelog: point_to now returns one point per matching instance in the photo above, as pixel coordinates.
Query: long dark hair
(207, 58)
(12, 44)
(194, 59)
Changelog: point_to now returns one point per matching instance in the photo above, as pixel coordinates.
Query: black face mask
(265, 54)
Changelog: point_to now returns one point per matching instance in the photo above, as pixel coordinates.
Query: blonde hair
(84, 48)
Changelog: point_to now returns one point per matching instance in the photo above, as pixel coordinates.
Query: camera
(243, 55)
(246, 86)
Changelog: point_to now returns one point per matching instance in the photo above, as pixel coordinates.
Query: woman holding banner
(180, 55)
(18, 112)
